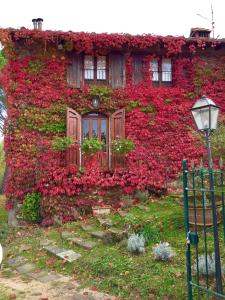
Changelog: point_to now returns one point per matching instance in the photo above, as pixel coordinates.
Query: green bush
(91, 146)
(104, 93)
(61, 143)
(122, 146)
(31, 208)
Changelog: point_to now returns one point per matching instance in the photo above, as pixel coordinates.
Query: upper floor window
(95, 68)
(161, 71)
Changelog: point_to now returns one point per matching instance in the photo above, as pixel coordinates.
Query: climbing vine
(158, 120)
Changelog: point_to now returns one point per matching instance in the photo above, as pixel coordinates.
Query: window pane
(103, 133)
(86, 128)
(101, 68)
(166, 70)
(88, 67)
(94, 129)
(155, 70)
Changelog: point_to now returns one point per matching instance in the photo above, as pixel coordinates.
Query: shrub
(136, 244)
(163, 252)
(122, 146)
(202, 265)
(30, 208)
(61, 143)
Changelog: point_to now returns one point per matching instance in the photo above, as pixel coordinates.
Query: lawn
(110, 268)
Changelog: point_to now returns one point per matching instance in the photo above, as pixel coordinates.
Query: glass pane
(86, 128)
(94, 128)
(101, 68)
(103, 130)
(88, 67)
(166, 70)
(155, 70)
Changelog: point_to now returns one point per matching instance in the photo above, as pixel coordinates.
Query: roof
(85, 41)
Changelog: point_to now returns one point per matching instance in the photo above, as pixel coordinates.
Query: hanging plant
(122, 146)
(91, 146)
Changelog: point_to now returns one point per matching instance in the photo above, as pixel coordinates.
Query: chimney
(200, 33)
(34, 21)
(39, 23)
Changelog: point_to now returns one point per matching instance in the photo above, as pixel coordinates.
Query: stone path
(26, 282)
(44, 285)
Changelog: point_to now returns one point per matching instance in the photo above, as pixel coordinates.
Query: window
(161, 71)
(95, 68)
(166, 70)
(155, 70)
(95, 125)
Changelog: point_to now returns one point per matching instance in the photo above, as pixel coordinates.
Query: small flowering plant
(122, 146)
(91, 146)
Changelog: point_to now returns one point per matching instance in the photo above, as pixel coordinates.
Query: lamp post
(205, 113)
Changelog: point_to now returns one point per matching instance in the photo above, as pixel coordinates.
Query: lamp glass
(95, 103)
(205, 113)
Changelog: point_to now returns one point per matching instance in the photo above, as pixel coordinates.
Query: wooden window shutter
(74, 70)
(117, 131)
(73, 130)
(137, 69)
(117, 70)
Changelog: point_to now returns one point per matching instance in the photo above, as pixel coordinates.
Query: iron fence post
(214, 215)
(186, 217)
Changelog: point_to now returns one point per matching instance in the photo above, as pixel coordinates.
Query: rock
(26, 268)
(66, 235)
(12, 220)
(82, 243)
(16, 261)
(68, 255)
(105, 222)
(23, 248)
(101, 210)
(98, 234)
(48, 278)
(87, 228)
(12, 296)
(57, 221)
(114, 235)
(45, 242)
(122, 213)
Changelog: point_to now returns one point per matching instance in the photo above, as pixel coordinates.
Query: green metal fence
(204, 211)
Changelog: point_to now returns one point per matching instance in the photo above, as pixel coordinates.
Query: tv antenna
(210, 20)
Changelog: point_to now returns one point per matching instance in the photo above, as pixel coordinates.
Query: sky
(158, 17)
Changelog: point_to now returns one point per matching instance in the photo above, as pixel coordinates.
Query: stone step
(106, 223)
(98, 234)
(78, 241)
(87, 228)
(68, 255)
(82, 243)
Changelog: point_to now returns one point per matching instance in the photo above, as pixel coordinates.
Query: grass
(111, 268)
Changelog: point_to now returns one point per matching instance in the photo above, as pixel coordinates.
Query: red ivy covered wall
(158, 120)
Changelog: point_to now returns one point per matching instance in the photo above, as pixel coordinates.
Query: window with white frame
(154, 65)
(94, 67)
(161, 71)
(166, 70)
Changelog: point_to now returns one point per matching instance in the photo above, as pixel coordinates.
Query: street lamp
(95, 102)
(205, 113)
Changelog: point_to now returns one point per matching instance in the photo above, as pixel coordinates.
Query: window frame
(96, 80)
(160, 72)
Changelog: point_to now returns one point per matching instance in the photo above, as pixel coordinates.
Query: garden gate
(204, 212)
